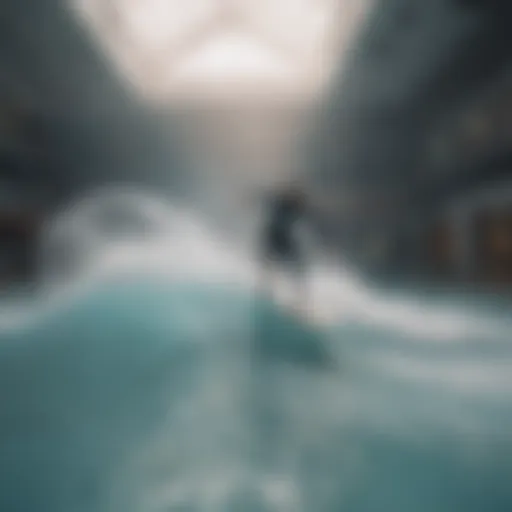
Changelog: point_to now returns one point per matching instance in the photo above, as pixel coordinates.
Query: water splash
(155, 374)
(122, 232)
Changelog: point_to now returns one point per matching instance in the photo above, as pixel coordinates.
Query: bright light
(232, 58)
(173, 49)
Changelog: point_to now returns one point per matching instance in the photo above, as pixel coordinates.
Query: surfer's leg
(269, 259)
(266, 277)
(300, 283)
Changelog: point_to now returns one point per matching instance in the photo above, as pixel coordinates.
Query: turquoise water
(142, 396)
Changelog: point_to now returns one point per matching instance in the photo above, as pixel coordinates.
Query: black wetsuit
(280, 243)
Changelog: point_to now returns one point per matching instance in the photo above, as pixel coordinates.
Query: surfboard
(288, 332)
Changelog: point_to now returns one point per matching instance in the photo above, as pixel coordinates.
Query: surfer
(281, 246)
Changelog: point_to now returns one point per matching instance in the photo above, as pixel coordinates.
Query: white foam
(174, 244)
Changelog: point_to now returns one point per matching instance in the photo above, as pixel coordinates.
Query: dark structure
(67, 123)
(416, 139)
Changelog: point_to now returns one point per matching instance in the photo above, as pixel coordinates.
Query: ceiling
(171, 51)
